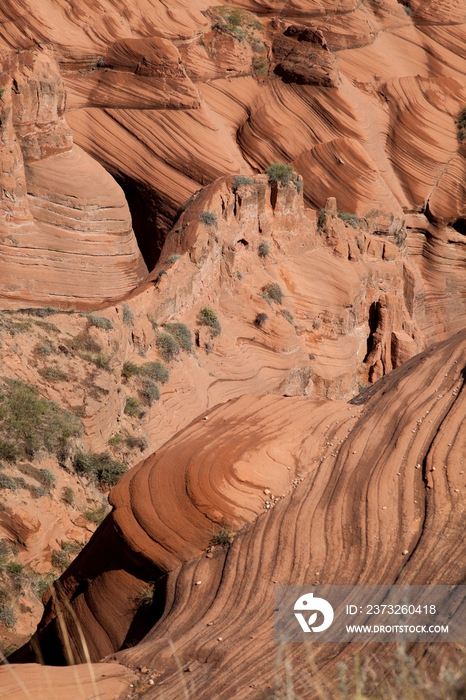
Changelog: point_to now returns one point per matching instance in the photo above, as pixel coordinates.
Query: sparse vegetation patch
(350, 219)
(208, 317)
(167, 346)
(461, 125)
(281, 173)
(32, 422)
(241, 181)
(272, 292)
(181, 333)
(100, 467)
(208, 218)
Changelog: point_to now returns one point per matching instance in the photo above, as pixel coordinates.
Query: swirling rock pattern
(312, 498)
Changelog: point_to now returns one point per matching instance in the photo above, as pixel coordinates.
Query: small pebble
(219, 639)
(209, 555)
(384, 508)
(206, 417)
(456, 490)
(267, 491)
(405, 551)
(198, 583)
(209, 624)
(151, 682)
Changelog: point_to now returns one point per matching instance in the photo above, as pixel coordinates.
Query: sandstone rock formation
(311, 497)
(60, 210)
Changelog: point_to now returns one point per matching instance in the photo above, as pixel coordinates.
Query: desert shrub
(41, 582)
(350, 219)
(272, 292)
(35, 422)
(298, 185)
(8, 451)
(115, 440)
(209, 218)
(100, 322)
(461, 125)
(132, 407)
(260, 320)
(223, 537)
(89, 349)
(281, 173)
(53, 374)
(5, 553)
(130, 370)
(44, 349)
(263, 249)
(22, 327)
(6, 482)
(181, 333)
(156, 371)
(47, 478)
(289, 316)
(67, 495)
(168, 346)
(208, 317)
(62, 558)
(7, 615)
(172, 259)
(260, 64)
(97, 515)
(42, 312)
(159, 276)
(149, 392)
(128, 316)
(134, 441)
(36, 491)
(15, 568)
(322, 220)
(100, 467)
(145, 598)
(241, 181)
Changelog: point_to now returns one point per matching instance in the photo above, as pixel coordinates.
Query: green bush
(96, 516)
(260, 65)
(241, 181)
(15, 568)
(322, 220)
(130, 370)
(68, 495)
(128, 316)
(181, 333)
(5, 553)
(62, 558)
(44, 349)
(47, 478)
(100, 467)
(53, 374)
(156, 371)
(134, 441)
(7, 613)
(208, 317)
(100, 322)
(281, 173)
(350, 219)
(263, 249)
(272, 292)
(209, 218)
(8, 451)
(168, 346)
(260, 320)
(34, 422)
(41, 583)
(289, 316)
(132, 407)
(172, 259)
(149, 392)
(6, 482)
(42, 312)
(223, 538)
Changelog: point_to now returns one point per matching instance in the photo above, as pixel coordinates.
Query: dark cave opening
(151, 218)
(460, 226)
(373, 321)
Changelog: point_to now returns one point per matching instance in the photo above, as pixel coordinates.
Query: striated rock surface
(65, 227)
(311, 497)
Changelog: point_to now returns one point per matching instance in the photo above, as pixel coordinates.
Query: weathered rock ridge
(342, 508)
